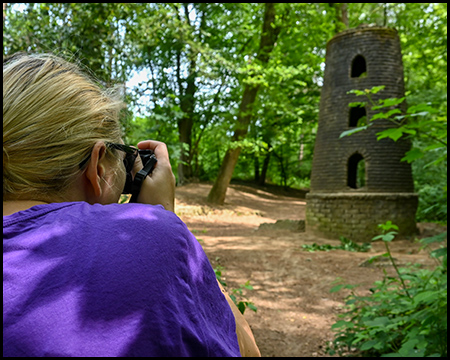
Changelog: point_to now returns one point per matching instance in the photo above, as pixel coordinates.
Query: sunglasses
(128, 161)
(148, 159)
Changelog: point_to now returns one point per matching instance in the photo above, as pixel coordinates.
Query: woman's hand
(159, 186)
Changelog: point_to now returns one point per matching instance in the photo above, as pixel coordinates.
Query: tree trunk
(187, 105)
(219, 190)
(256, 169)
(341, 16)
(269, 36)
(282, 170)
(262, 178)
(185, 125)
(184, 170)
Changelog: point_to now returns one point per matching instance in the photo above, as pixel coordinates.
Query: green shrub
(346, 244)
(425, 124)
(242, 304)
(404, 316)
(432, 203)
(240, 301)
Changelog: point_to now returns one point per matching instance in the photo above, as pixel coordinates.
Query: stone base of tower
(356, 215)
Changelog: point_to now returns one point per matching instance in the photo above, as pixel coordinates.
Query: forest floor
(291, 287)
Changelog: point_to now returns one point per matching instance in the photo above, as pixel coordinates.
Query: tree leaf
(381, 321)
(425, 296)
(356, 92)
(353, 131)
(377, 89)
(343, 323)
(241, 307)
(369, 345)
(423, 108)
(336, 288)
(439, 253)
(389, 236)
(386, 115)
(434, 239)
(388, 102)
(357, 104)
(392, 133)
(412, 155)
(388, 225)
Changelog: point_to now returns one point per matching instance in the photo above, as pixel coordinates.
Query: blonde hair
(53, 114)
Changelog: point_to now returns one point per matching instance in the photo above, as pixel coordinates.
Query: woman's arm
(247, 343)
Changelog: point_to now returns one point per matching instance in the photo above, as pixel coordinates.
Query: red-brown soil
(295, 309)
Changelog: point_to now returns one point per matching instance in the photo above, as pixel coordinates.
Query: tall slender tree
(341, 16)
(269, 34)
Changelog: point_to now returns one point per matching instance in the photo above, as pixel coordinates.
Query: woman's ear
(95, 171)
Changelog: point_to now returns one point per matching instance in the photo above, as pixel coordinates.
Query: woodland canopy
(234, 88)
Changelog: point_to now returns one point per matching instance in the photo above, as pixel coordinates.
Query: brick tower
(358, 182)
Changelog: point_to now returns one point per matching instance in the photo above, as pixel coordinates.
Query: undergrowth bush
(237, 295)
(404, 316)
(346, 244)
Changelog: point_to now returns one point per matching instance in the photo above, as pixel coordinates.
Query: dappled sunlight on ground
(295, 309)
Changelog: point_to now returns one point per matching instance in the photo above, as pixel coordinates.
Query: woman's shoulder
(116, 234)
(126, 220)
(101, 222)
(121, 212)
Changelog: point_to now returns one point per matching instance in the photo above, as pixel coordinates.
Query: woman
(82, 274)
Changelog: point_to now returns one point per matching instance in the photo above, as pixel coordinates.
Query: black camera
(146, 157)
(133, 186)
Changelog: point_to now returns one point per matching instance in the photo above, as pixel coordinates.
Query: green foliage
(346, 244)
(431, 185)
(426, 126)
(432, 202)
(242, 304)
(89, 32)
(124, 198)
(404, 316)
(215, 45)
(237, 295)
(218, 271)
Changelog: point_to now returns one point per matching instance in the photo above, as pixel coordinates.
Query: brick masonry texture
(384, 172)
(356, 216)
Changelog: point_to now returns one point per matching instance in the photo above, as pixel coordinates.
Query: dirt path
(295, 309)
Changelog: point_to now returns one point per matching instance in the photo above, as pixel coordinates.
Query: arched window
(356, 171)
(357, 116)
(359, 68)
